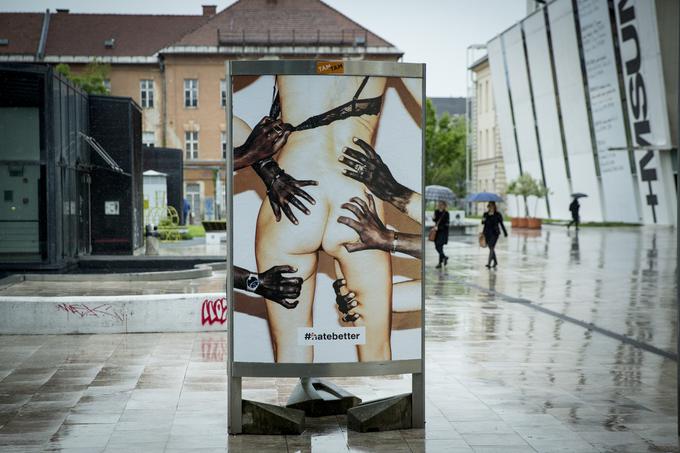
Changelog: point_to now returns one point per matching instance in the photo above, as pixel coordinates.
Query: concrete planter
(519, 222)
(534, 223)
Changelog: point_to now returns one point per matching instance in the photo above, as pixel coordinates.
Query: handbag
(482, 240)
(432, 235)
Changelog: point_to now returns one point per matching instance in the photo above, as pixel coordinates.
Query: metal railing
(352, 37)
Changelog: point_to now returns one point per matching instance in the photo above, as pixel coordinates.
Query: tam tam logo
(330, 67)
(214, 311)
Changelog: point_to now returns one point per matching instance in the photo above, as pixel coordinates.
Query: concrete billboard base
(262, 418)
(387, 414)
(319, 397)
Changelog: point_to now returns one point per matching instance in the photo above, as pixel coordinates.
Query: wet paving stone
(509, 367)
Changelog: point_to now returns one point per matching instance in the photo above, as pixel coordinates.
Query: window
(190, 93)
(482, 107)
(480, 147)
(489, 96)
(146, 93)
(223, 93)
(191, 145)
(148, 139)
(193, 196)
(480, 97)
(223, 142)
(107, 85)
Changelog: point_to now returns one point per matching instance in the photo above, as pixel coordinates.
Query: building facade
(586, 100)
(174, 66)
(487, 172)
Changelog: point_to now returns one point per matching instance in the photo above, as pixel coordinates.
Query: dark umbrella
(439, 193)
(483, 197)
(579, 195)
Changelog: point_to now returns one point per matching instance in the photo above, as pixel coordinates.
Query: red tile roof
(280, 22)
(255, 22)
(23, 32)
(134, 34)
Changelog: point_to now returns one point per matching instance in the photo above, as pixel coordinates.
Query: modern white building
(487, 172)
(586, 99)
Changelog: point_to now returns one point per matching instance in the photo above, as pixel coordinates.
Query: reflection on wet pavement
(501, 376)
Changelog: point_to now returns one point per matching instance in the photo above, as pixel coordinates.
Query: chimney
(209, 10)
(62, 11)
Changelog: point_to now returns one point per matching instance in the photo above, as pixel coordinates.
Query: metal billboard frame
(238, 370)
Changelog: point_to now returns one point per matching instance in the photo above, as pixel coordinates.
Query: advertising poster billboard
(327, 217)
(647, 109)
(618, 186)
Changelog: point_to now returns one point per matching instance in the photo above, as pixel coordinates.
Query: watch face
(252, 282)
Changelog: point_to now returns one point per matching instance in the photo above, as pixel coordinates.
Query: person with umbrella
(441, 220)
(574, 207)
(493, 223)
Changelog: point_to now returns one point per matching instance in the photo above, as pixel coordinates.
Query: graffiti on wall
(94, 311)
(214, 311)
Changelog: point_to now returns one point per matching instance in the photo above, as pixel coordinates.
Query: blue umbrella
(483, 197)
(579, 195)
(439, 193)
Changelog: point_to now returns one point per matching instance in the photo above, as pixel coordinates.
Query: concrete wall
(113, 314)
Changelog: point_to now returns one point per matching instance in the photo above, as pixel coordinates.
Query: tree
(526, 186)
(541, 192)
(444, 150)
(91, 80)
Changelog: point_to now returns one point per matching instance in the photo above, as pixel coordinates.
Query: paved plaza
(569, 346)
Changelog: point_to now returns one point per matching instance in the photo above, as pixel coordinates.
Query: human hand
(266, 139)
(275, 287)
(283, 189)
(347, 303)
(371, 230)
(369, 169)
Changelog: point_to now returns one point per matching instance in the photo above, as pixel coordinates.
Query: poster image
(327, 212)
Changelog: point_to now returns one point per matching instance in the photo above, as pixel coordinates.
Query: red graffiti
(214, 311)
(83, 310)
(213, 350)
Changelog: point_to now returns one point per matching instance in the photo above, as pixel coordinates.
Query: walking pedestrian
(186, 209)
(441, 218)
(574, 208)
(493, 223)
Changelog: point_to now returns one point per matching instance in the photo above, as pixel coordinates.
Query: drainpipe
(40, 52)
(164, 101)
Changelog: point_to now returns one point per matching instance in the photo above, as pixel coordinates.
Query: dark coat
(493, 223)
(443, 226)
(574, 208)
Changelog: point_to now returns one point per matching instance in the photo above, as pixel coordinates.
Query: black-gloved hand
(275, 287)
(371, 230)
(266, 139)
(369, 169)
(283, 189)
(347, 303)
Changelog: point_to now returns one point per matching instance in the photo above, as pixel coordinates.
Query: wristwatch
(252, 283)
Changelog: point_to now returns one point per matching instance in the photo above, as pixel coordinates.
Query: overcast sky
(435, 32)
